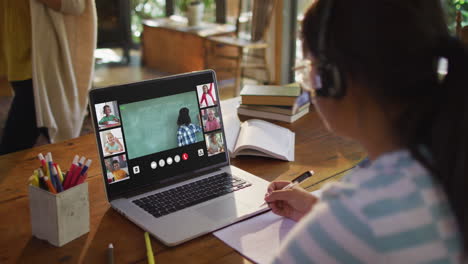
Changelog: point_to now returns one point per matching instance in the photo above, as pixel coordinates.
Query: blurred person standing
(47, 56)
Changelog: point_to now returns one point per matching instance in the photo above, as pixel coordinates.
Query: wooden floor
(107, 74)
(112, 74)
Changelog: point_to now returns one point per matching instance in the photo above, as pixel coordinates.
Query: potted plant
(194, 10)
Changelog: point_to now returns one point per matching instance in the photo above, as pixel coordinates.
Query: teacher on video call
(370, 68)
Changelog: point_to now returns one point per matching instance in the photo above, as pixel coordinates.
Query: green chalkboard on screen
(150, 126)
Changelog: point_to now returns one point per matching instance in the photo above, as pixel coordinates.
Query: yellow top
(15, 40)
(119, 174)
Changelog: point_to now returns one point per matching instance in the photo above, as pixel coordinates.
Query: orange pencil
(50, 185)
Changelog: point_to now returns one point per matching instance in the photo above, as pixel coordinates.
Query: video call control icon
(200, 152)
(185, 156)
(169, 161)
(162, 163)
(154, 165)
(177, 158)
(136, 169)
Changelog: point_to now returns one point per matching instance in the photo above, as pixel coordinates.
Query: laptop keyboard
(176, 199)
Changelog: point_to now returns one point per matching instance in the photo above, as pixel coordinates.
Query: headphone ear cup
(338, 89)
(332, 82)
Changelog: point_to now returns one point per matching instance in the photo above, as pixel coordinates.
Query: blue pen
(86, 166)
(55, 175)
(51, 165)
(82, 160)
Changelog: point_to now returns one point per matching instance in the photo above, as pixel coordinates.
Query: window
(451, 7)
(144, 9)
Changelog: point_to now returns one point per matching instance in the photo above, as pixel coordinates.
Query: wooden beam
(169, 8)
(292, 40)
(220, 11)
(285, 40)
(278, 41)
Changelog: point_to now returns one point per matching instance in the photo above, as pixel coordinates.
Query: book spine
(285, 110)
(267, 115)
(272, 116)
(268, 100)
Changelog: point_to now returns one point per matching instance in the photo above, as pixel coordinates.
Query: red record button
(185, 156)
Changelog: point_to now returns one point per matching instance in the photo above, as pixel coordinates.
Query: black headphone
(330, 80)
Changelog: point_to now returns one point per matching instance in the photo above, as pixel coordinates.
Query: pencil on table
(149, 249)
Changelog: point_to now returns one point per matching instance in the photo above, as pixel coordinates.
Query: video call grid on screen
(207, 96)
(116, 169)
(107, 115)
(212, 124)
(112, 141)
(184, 87)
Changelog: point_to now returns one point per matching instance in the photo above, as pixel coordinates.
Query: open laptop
(164, 157)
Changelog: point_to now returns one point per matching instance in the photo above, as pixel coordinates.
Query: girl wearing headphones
(371, 72)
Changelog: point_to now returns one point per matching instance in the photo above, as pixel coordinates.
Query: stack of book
(272, 102)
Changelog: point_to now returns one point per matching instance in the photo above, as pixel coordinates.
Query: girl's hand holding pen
(293, 203)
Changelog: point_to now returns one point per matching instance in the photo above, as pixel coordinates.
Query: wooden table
(170, 46)
(316, 149)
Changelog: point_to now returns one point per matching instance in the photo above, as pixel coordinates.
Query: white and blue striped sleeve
(396, 220)
(334, 232)
(391, 212)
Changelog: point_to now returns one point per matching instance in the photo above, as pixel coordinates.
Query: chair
(251, 48)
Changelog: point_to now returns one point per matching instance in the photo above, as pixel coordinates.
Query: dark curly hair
(184, 117)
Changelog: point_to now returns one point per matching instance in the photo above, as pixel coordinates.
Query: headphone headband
(330, 75)
(323, 28)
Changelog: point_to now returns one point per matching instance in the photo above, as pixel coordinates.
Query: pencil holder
(59, 218)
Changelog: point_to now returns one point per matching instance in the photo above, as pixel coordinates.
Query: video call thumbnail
(112, 141)
(206, 95)
(107, 115)
(214, 143)
(116, 169)
(211, 119)
(161, 124)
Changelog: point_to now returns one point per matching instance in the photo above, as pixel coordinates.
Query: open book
(258, 138)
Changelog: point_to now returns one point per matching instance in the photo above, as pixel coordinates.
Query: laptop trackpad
(223, 209)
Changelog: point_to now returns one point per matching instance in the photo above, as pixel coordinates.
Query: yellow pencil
(59, 173)
(149, 249)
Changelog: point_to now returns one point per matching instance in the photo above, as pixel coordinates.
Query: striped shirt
(390, 212)
(186, 135)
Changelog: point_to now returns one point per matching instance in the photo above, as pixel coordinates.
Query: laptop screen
(156, 131)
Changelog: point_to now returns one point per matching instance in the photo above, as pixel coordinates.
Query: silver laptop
(164, 157)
